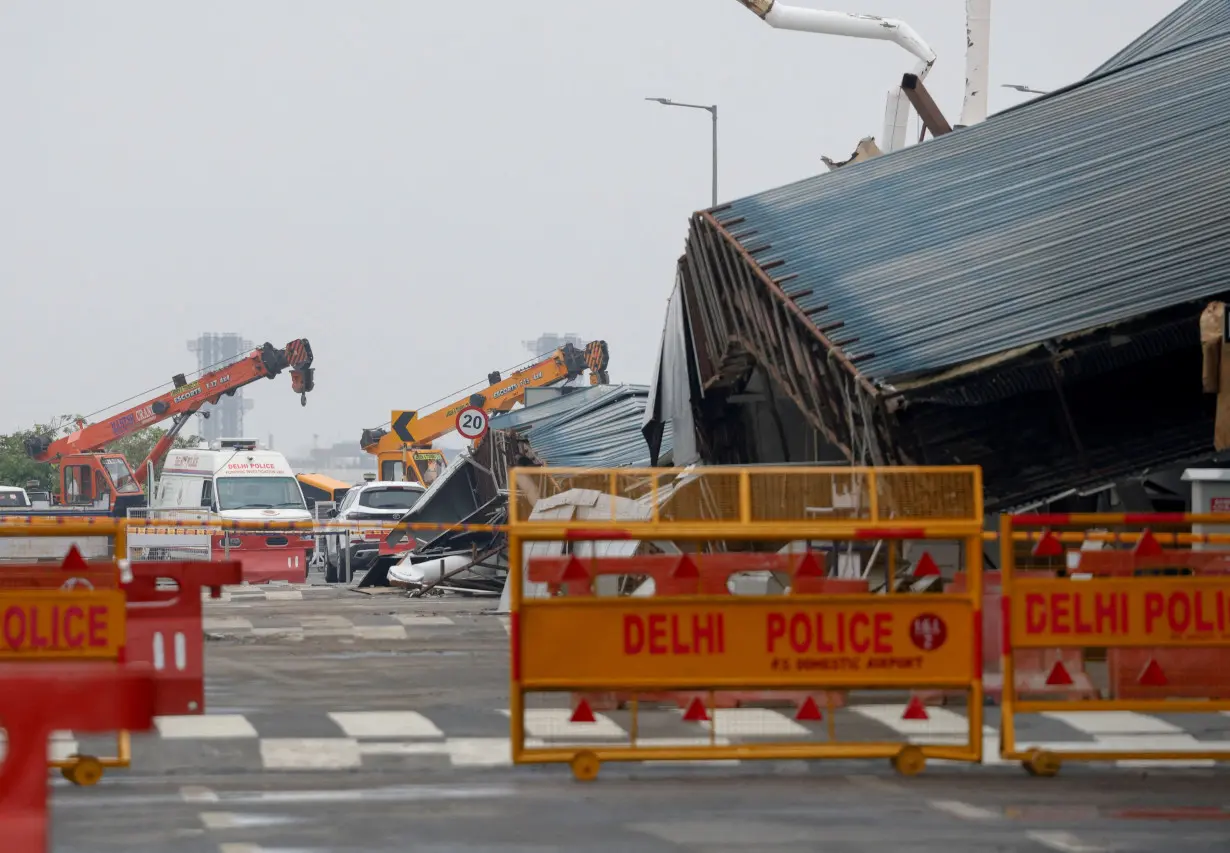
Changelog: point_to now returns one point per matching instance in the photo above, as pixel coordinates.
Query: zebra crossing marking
(385, 724)
(205, 727)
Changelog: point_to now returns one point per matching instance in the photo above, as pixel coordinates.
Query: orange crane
(406, 452)
(94, 481)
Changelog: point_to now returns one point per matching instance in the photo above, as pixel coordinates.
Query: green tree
(17, 468)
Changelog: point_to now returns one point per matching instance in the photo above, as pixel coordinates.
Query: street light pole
(713, 112)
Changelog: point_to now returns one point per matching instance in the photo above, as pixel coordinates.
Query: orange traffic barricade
(1147, 618)
(700, 649)
(160, 627)
(39, 698)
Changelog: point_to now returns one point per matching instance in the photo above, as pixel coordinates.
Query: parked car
(385, 501)
(13, 497)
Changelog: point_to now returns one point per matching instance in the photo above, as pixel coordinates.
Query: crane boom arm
(184, 399)
(565, 363)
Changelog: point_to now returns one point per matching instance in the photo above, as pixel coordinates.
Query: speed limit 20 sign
(472, 423)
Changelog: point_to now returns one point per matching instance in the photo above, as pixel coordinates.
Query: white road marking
(1127, 731)
(242, 820)
(555, 723)
(385, 724)
(284, 595)
(413, 621)
(380, 632)
(1114, 722)
(197, 794)
(401, 748)
(310, 753)
(1065, 842)
(226, 623)
(205, 727)
(941, 722)
(754, 722)
(328, 621)
(279, 633)
(480, 751)
(329, 632)
(60, 746)
(965, 811)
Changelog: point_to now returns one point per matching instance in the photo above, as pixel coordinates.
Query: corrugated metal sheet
(670, 401)
(550, 409)
(1101, 202)
(1193, 21)
(598, 427)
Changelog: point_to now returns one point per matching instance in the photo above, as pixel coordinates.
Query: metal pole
(712, 110)
(346, 547)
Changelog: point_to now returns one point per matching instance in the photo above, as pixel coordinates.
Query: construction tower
(214, 350)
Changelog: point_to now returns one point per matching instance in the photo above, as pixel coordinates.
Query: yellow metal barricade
(818, 644)
(1114, 613)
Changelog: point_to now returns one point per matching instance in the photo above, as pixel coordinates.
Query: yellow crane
(405, 452)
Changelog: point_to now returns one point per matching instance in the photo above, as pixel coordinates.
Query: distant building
(214, 350)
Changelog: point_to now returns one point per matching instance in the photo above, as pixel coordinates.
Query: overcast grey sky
(414, 186)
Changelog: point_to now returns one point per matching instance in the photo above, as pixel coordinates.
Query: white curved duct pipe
(428, 571)
(798, 18)
(977, 61)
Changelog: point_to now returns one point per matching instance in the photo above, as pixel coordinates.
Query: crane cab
(418, 465)
(101, 482)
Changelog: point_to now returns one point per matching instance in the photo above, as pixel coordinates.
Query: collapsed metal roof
(594, 427)
(1193, 21)
(1022, 294)
(1084, 208)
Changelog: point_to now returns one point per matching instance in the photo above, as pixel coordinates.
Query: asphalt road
(342, 722)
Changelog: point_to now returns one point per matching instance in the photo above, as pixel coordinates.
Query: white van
(13, 498)
(235, 480)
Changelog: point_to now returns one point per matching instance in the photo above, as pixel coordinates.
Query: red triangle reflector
(574, 570)
(73, 561)
(809, 710)
(1048, 546)
(1152, 675)
(926, 567)
(916, 710)
(696, 712)
(809, 567)
(685, 568)
(1147, 545)
(582, 713)
(1059, 675)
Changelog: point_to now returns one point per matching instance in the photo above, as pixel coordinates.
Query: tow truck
(406, 453)
(92, 482)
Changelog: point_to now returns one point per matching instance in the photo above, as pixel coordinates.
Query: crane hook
(303, 399)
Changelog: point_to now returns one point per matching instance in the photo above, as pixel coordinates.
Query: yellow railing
(767, 501)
